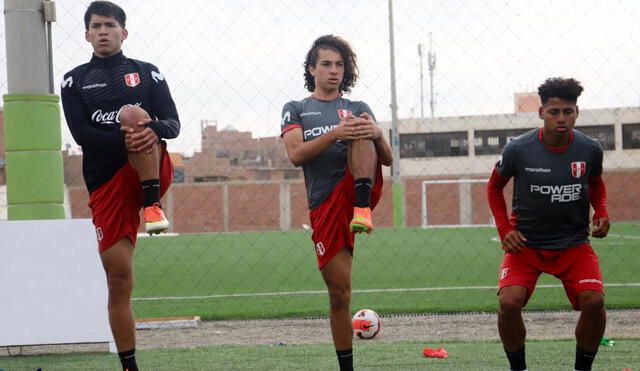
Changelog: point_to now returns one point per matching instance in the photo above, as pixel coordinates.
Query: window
(491, 142)
(434, 144)
(292, 174)
(605, 134)
(631, 136)
(263, 175)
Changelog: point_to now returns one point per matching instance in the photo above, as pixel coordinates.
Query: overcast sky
(238, 62)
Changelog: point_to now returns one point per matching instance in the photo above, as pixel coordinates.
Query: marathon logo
(559, 193)
(537, 170)
(317, 131)
(310, 114)
(93, 86)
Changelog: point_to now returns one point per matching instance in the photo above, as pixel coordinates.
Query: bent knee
(512, 303)
(129, 116)
(591, 300)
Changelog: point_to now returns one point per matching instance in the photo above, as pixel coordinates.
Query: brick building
(231, 155)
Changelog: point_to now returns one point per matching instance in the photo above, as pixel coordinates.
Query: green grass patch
(394, 259)
(548, 355)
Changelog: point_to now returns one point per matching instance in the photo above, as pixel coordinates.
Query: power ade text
(559, 193)
(317, 131)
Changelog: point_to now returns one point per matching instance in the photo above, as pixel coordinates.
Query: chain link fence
(238, 206)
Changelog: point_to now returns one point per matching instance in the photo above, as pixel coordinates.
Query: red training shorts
(330, 220)
(577, 267)
(115, 206)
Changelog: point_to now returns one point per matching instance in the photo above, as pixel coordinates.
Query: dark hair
(105, 9)
(558, 87)
(348, 57)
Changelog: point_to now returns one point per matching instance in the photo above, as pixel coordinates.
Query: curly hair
(558, 87)
(105, 9)
(348, 57)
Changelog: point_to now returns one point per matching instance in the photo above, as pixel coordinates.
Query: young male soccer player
(340, 149)
(557, 172)
(118, 109)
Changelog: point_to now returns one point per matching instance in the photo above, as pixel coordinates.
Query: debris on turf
(437, 353)
(606, 341)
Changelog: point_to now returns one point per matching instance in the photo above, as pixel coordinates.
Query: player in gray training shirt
(557, 173)
(316, 117)
(340, 149)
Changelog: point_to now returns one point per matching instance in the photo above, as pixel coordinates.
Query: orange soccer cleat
(154, 219)
(361, 221)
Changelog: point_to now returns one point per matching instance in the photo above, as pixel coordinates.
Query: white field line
(497, 239)
(324, 292)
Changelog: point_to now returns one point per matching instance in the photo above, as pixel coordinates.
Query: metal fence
(233, 65)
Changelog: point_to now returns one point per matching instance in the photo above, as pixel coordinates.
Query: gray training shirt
(551, 189)
(316, 117)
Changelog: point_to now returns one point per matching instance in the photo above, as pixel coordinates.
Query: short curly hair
(559, 87)
(348, 57)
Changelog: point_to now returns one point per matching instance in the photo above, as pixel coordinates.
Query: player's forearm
(166, 129)
(598, 197)
(307, 151)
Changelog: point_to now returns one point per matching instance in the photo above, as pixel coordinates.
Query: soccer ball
(366, 324)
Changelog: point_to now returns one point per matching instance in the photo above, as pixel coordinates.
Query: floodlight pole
(33, 138)
(398, 193)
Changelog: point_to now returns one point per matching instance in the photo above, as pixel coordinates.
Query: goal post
(465, 206)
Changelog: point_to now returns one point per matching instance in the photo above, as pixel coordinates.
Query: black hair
(105, 9)
(348, 57)
(558, 87)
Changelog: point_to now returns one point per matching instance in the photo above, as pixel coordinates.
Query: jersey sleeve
(505, 166)
(596, 167)
(78, 121)
(290, 118)
(166, 124)
(365, 108)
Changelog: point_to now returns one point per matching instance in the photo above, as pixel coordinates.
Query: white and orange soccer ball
(366, 324)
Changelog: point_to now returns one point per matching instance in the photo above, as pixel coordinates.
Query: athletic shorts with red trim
(330, 220)
(115, 206)
(577, 267)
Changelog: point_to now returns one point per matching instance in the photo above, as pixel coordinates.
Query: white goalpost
(465, 206)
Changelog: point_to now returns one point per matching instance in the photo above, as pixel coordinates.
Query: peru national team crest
(132, 79)
(343, 113)
(578, 169)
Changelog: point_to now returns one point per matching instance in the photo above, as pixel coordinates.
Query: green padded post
(35, 184)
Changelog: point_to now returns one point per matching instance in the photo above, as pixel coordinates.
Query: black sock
(128, 360)
(345, 359)
(151, 191)
(516, 359)
(363, 192)
(584, 359)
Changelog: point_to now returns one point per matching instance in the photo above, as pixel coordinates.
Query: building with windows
(467, 145)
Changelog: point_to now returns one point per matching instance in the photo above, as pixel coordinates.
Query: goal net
(455, 203)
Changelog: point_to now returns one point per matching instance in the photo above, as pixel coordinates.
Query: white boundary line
(324, 292)
(497, 239)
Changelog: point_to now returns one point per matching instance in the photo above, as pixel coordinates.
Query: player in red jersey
(557, 174)
(341, 149)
